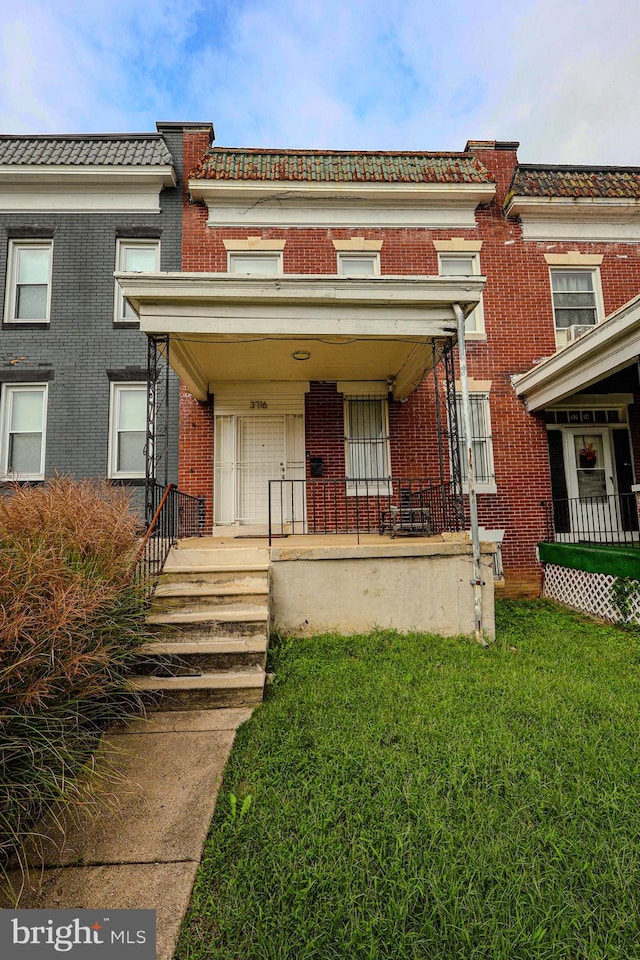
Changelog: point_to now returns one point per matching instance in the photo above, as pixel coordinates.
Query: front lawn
(419, 797)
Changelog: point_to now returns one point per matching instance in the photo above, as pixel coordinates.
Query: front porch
(354, 583)
(298, 378)
(219, 599)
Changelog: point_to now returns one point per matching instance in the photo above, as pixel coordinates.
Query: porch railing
(344, 506)
(607, 519)
(175, 515)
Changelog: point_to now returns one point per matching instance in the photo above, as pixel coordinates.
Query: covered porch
(319, 414)
(303, 404)
(588, 394)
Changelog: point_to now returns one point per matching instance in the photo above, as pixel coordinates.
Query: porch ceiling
(609, 347)
(228, 328)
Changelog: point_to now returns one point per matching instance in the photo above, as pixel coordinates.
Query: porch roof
(225, 327)
(608, 347)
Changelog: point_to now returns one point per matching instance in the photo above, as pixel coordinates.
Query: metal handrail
(177, 515)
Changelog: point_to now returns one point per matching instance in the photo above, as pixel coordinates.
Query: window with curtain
(464, 265)
(367, 438)
(23, 422)
(28, 297)
(128, 432)
(481, 440)
(574, 298)
(134, 256)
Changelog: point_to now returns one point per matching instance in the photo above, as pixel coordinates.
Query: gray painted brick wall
(81, 343)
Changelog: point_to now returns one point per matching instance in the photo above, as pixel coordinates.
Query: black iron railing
(175, 515)
(382, 506)
(608, 519)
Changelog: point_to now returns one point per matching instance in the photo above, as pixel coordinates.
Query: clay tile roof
(223, 163)
(110, 150)
(564, 181)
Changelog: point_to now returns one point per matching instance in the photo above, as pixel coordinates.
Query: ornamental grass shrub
(70, 623)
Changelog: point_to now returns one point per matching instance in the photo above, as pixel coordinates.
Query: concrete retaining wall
(403, 586)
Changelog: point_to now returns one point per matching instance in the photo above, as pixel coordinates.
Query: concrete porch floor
(309, 540)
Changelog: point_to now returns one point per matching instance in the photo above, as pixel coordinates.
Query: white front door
(251, 451)
(591, 484)
(261, 457)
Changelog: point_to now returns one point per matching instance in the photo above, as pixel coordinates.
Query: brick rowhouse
(520, 331)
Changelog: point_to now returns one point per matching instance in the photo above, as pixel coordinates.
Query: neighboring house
(73, 363)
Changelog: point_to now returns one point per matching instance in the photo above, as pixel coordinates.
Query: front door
(251, 451)
(599, 503)
(261, 457)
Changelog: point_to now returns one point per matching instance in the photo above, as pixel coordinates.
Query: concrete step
(192, 657)
(231, 620)
(186, 604)
(209, 690)
(195, 597)
(208, 583)
(215, 573)
(217, 556)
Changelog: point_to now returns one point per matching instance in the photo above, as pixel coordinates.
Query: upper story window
(28, 297)
(577, 300)
(359, 264)
(128, 430)
(134, 256)
(254, 263)
(23, 416)
(464, 264)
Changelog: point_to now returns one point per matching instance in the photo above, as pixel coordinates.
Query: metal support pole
(457, 498)
(473, 503)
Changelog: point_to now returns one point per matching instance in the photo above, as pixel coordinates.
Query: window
(481, 442)
(128, 430)
(575, 298)
(366, 438)
(464, 265)
(28, 297)
(134, 256)
(359, 264)
(23, 415)
(259, 264)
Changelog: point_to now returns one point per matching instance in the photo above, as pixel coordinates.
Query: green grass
(419, 797)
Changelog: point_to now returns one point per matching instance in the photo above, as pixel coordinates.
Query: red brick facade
(519, 326)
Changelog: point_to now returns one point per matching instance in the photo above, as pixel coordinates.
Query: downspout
(476, 581)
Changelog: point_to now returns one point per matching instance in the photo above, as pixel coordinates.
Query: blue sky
(560, 76)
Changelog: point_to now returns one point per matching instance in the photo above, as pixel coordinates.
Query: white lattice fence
(588, 592)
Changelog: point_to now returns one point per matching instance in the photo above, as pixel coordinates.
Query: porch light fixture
(300, 354)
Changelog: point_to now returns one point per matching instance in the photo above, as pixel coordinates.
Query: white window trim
(360, 487)
(344, 257)
(570, 267)
(481, 486)
(118, 301)
(12, 279)
(253, 254)
(115, 389)
(6, 404)
(474, 255)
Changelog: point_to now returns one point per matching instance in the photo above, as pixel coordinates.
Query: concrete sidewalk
(143, 848)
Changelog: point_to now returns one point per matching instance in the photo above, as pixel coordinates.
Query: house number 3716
(258, 405)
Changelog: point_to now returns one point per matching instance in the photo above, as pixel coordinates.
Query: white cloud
(559, 75)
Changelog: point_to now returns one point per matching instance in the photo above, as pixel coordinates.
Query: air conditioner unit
(577, 330)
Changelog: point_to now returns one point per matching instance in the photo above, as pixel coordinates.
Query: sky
(560, 76)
